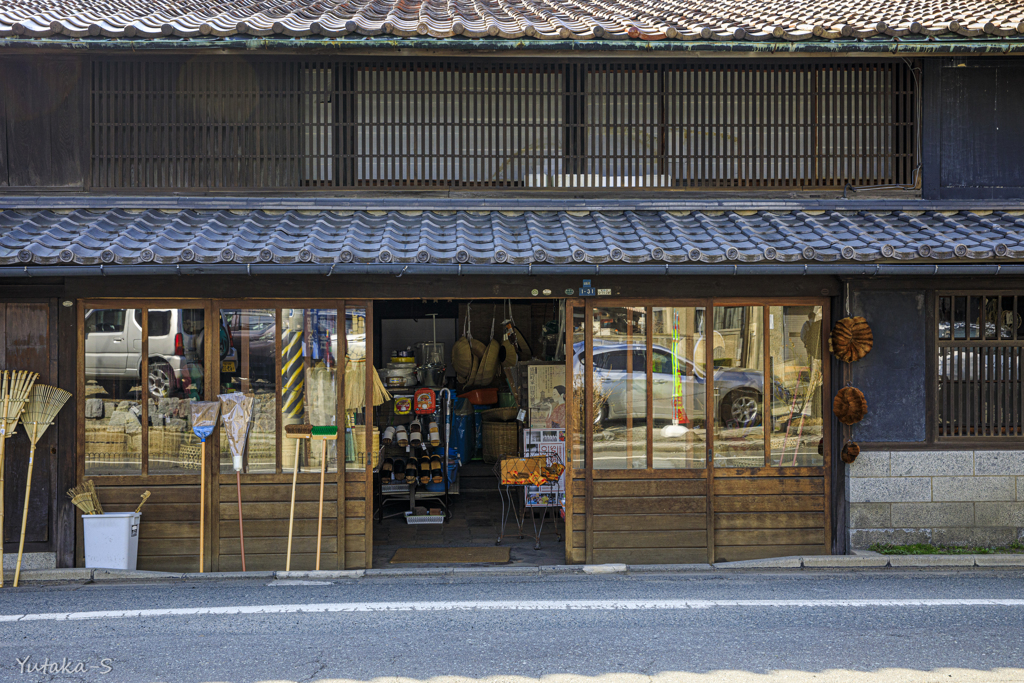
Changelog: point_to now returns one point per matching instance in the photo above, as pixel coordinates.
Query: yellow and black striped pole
(291, 365)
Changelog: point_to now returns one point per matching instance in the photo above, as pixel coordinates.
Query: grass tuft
(1016, 547)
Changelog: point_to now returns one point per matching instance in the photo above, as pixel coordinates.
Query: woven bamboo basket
(501, 440)
(359, 432)
(500, 414)
(189, 452)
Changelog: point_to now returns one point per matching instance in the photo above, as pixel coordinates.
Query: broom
(204, 419)
(297, 432)
(43, 405)
(236, 413)
(14, 387)
(84, 498)
(326, 433)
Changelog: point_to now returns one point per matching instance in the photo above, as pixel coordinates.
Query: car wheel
(161, 380)
(741, 408)
(601, 416)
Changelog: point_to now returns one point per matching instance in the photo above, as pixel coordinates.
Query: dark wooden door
(25, 344)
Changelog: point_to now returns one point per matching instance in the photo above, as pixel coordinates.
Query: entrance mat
(493, 554)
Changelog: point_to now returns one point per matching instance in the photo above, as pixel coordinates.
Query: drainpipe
(547, 270)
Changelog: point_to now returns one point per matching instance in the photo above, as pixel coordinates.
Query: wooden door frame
(709, 472)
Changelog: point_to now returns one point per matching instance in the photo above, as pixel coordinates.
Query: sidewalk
(789, 564)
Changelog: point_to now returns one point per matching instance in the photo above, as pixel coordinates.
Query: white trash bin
(112, 540)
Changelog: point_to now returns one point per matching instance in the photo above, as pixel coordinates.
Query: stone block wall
(942, 497)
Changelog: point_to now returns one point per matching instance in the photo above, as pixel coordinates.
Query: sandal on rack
(425, 470)
(386, 469)
(399, 469)
(415, 434)
(411, 470)
(435, 436)
(437, 469)
(388, 436)
(401, 436)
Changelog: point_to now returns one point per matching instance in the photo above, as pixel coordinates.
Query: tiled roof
(119, 236)
(541, 19)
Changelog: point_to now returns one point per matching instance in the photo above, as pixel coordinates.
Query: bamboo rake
(15, 387)
(43, 405)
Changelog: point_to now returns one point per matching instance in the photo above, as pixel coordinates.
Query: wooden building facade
(703, 178)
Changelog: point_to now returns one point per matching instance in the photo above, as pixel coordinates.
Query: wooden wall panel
(265, 510)
(27, 346)
(44, 122)
(646, 521)
(169, 528)
(357, 541)
(757, 517)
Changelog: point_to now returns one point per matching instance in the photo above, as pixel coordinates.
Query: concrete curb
(796, 562)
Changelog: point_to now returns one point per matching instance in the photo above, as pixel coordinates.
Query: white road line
(524, 605)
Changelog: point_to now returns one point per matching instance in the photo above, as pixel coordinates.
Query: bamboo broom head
(44, 403)
(355, 385)
(381, 395)
(15, 387)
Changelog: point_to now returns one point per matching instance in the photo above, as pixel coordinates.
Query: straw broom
(43, 405)
(15, 387)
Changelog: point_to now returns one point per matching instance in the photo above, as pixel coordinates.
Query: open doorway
(471, 439)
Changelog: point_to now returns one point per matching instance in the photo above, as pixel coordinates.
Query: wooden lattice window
(299, 124)
(980, 353)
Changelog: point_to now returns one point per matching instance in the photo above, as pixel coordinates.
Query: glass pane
(974, 318)
(945, 315)
(1006, 318)
(959, 317)
(355, 393)
(620, 388)
(576, 428)
(680, 388)
(797, 425)
(249, 367)
(113, 392)
(174, 379)
(738, 356)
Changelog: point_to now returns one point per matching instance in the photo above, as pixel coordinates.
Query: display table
(513, 501)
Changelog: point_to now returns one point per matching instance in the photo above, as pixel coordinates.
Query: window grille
(294, 124)
(980, 352)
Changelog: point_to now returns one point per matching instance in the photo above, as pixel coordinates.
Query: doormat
(493, 554)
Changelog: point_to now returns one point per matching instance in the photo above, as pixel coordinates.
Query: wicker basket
(500, 414)
(501, 440)
(359, 436)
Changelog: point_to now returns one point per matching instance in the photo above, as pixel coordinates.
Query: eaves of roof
(918, 45)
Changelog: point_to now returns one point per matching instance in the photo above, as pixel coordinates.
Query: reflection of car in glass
(260, 331)
(740, 389)
(113, 348)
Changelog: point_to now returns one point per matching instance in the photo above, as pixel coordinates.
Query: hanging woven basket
(850, 452)
(851, 339)
(850, 406)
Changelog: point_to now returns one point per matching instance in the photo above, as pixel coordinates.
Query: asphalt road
(641, 628)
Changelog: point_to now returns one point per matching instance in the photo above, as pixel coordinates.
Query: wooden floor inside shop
(475, 521)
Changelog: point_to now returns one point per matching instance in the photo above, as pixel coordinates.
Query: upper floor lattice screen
(448, 124)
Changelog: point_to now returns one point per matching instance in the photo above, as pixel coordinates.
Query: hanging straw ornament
(850, 406)
(43, 405)
(850, 452)
(204, 419)
(851, 339)
(15, 387)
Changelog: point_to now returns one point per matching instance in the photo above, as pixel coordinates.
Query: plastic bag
(204, 417)
(236, 414)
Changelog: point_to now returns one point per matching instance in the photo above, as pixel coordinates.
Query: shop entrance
(471, 439)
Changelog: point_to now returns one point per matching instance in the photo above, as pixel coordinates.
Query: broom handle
(291, 513)
(320, 514)
(3, 444)
(24, 514)
(241, 535)
(202, 500)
